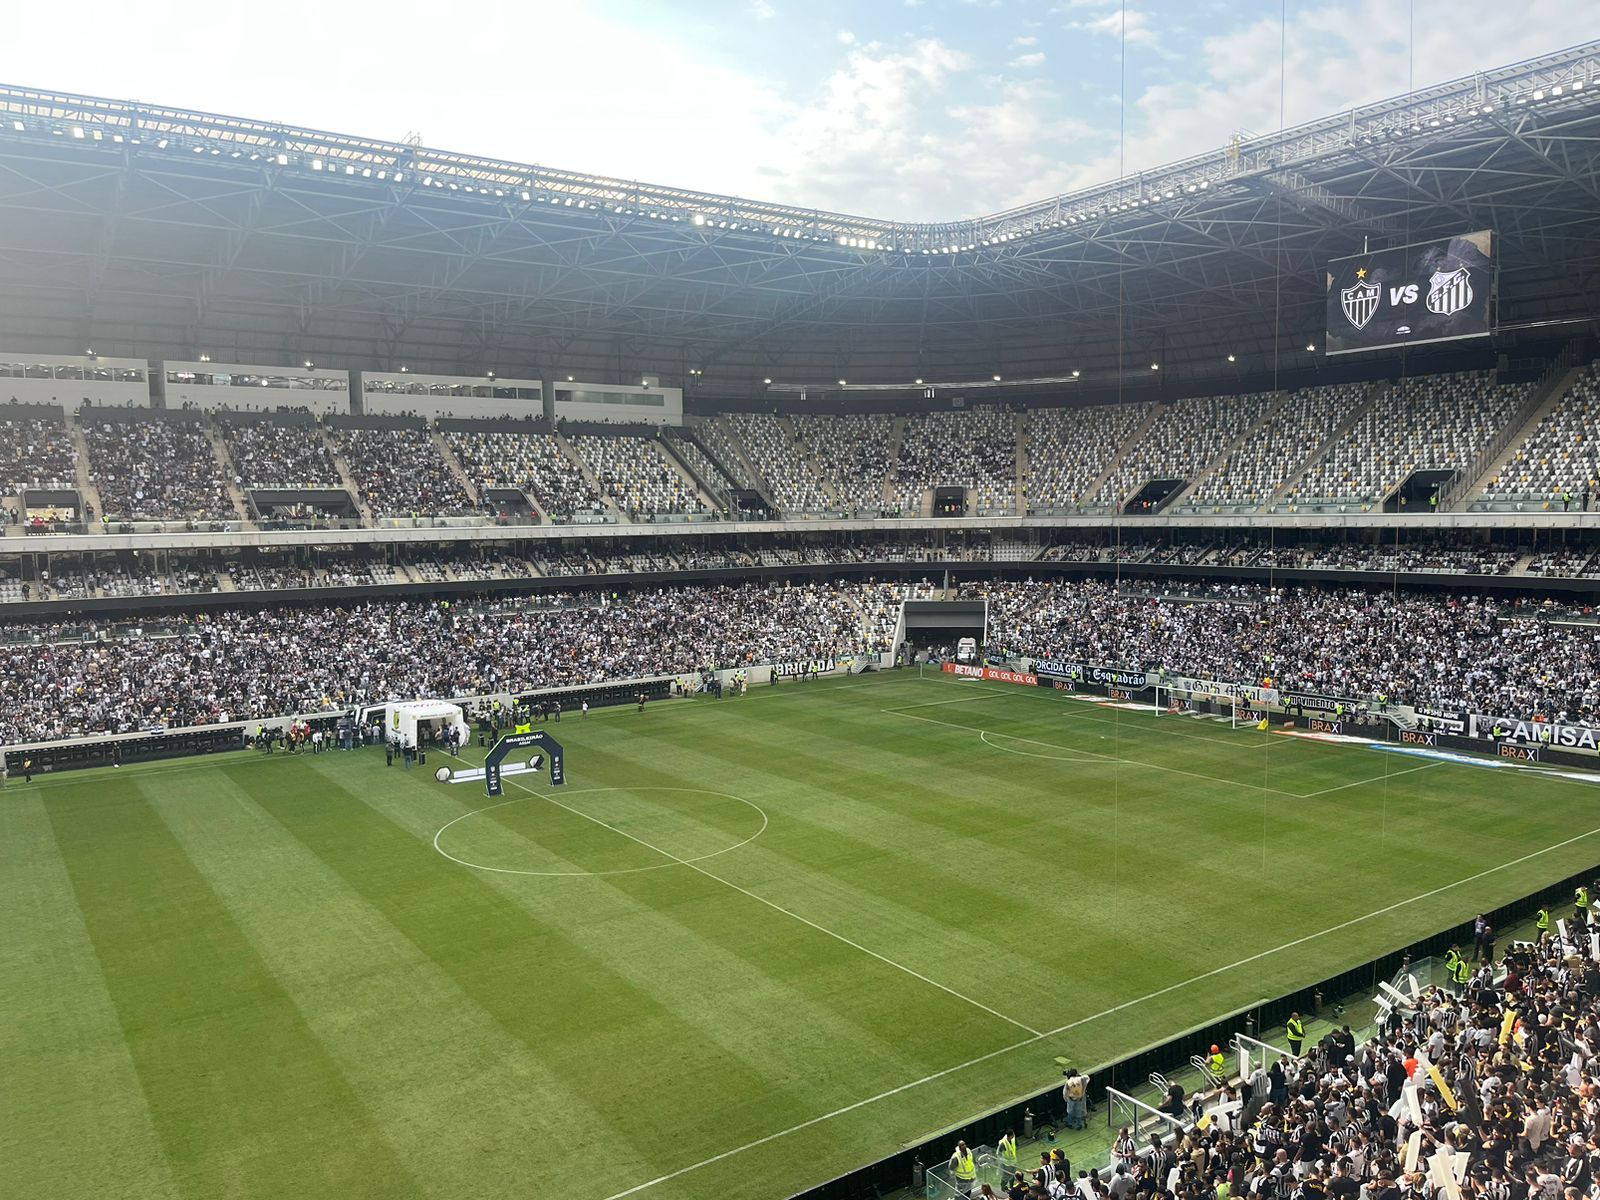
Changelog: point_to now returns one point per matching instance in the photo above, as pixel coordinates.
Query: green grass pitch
(752, 944)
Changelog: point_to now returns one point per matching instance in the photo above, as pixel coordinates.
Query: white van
(967, 650)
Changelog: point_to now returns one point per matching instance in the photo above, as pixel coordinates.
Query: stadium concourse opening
(1091, 694)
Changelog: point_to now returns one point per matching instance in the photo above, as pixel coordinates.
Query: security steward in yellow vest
(1295, 1031)
(1542, 922)
(1458, 968)
(1582, 901)
(1007, 1150)
(1217, 1062)
(964, 1169)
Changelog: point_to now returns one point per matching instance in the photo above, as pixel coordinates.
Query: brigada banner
(1436, 291)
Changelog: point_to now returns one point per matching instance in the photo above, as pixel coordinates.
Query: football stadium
(520, 682)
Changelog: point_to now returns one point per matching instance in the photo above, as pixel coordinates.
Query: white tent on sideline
(401, 718)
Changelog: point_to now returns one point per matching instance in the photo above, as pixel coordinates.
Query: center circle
(612, 831)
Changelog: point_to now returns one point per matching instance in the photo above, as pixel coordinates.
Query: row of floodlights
(555, 200)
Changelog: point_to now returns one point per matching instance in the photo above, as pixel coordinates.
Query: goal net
(1221, 707)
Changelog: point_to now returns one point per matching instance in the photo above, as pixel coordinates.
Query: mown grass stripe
(73, 1117)
(540, 977)
(456, 1096)
(244, 1098)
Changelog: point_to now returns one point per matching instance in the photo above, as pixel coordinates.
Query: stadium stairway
(452, 462)
(691, 478)
(589, 476)
(897, 438)
(1533, 410)
(347, 480)
(1135, 436)
(230, 472)
(86, 489)
(1024, 457)
(1221, 460)
(1286, 489)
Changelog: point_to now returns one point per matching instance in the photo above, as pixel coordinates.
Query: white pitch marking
(1131, 762)
(596, 874)
(785, 911)
(1374, 779)
(935, 703)
(982, 1058)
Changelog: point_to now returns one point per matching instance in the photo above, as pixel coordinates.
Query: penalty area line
(1081, 1021)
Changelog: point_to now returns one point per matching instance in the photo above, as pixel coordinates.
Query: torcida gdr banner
(1435, 291)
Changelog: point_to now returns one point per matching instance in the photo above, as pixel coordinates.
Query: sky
(913, 110)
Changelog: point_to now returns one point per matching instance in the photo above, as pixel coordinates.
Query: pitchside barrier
(1044, 1107)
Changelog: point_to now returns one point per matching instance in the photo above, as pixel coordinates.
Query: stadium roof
(151, 231)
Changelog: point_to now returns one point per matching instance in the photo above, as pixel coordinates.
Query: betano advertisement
(994, 673)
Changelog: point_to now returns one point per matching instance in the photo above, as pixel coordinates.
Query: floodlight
(1155, 366)
(699, 220)
(842, 383)
(316, 164)
(997, 379)
(491, 374)
(1231, 358)
(767, 381)
(918, 382)
(1311, 346)
(1075, 374)
(19, 127)
(77, 131)
(282, 160)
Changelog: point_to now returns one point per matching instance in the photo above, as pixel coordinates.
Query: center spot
(600, 831)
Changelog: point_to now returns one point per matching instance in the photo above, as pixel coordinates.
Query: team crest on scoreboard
(1449, 291)
(1360, 302)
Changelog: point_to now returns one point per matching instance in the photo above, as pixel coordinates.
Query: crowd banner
(808, 666)
(1093, 673)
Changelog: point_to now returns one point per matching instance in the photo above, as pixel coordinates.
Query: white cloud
(844, 37)
(761, 10)
(1132, 24)
(1023, 42)
(1028, 62)
(1338, 54)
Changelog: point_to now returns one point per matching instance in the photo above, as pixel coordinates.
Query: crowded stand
(247, 664)
(793, 479)
(1070, 448)
(851, 451)
(1413, 647)
(156, 470)
(1272, 452)
(1426, 423)
(1559, 462)
(975, 449)
(400, 473)
(637, 476)
(34, 454)
(1184, 438)
(532, 463)
(267, 454)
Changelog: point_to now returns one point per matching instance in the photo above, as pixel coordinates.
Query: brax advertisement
(1437, 291)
